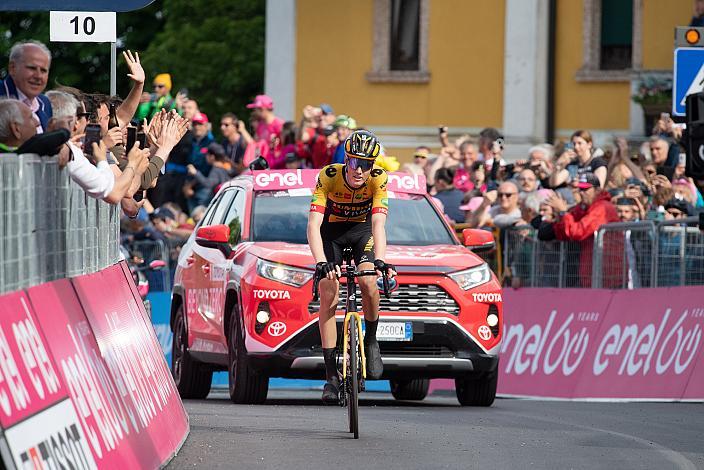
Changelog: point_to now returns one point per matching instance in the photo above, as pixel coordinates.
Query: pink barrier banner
(83, 382)
(39, 423)
(154, 422)
(548, 333)
(29, 381)
(577, 343)
(641, 344)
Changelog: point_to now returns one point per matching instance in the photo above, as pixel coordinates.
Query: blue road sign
(72, 5)
(688, 76)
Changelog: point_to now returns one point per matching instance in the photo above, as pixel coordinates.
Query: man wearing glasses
(499, 208)
(161, 98)
(348, 209)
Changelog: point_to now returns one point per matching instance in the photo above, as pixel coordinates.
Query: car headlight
(284, 274)
(472, 277)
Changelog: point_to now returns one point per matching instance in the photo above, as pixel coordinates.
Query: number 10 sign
(82, 26)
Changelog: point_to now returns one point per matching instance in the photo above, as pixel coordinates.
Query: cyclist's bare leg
(370, 293)
(328, 304)
(370, 304)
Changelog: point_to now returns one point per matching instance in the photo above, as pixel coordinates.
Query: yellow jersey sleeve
(320, 194)
(380, 201)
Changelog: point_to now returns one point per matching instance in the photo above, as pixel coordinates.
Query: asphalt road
(294, 431)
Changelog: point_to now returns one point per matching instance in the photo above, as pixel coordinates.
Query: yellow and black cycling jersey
(342, 203)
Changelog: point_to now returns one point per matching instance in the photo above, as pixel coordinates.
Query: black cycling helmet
(362, 144)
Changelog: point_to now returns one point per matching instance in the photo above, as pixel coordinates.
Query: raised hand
(135, 66)
(557, 203)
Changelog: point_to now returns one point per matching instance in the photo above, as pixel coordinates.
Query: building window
(405, 34)
(616, 34)
(400, 41)
(611, 40)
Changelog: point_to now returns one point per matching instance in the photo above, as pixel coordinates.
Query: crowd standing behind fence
(162, 189)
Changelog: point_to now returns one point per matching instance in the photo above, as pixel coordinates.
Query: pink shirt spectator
(462, 181)
(266, 130)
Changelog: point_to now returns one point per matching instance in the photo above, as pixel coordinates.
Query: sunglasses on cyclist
(362, 163)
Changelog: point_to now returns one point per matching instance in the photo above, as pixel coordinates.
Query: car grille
(402, 349)
(420, 298)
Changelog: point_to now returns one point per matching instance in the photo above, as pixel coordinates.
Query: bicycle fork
(357, 319)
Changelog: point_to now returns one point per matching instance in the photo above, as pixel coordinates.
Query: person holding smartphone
(585, 159)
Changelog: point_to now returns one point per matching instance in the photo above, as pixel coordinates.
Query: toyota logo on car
(277, 328)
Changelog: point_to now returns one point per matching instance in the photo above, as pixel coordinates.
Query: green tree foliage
(214, 49)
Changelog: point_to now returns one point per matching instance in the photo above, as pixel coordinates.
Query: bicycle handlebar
(366, 272)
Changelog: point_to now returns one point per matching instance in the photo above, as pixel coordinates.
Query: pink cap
(473, 204)
(262, 101)
(200, 118)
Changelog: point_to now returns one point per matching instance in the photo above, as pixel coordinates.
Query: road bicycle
(354, 364)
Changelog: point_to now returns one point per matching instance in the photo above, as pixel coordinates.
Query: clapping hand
(170, 135)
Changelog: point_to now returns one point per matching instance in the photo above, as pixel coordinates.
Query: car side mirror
(215, 236)
(478, 240)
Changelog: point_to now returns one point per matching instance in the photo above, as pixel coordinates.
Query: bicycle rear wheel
(353, 379)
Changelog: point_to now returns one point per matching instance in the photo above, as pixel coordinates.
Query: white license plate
(393, 331)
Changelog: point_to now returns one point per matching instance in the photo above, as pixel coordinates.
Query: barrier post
(561, 270)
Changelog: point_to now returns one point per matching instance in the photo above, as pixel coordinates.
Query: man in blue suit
(28, 73)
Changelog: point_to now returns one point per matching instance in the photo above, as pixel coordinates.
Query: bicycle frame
(351, 314)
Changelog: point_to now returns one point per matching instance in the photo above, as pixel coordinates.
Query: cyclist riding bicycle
(349, 209)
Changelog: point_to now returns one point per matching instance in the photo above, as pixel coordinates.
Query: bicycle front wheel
(353, 378)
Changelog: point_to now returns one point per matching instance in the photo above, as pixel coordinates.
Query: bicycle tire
(353, 380)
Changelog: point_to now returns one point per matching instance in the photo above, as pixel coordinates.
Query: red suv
(242, 297)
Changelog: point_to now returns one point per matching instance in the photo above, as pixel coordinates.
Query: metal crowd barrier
(680, 260)
(50, 228)
(535, 263)
(165, 250)
(623, 256)
(152, 250)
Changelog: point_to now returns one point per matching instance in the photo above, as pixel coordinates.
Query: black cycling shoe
(331, 392)
(374, 365)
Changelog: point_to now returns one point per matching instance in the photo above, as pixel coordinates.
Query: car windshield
(279, 217)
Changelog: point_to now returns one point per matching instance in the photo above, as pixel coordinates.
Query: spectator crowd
(155, 153)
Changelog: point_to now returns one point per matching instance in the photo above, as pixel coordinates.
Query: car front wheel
(413, 389)
(192, 378)
(477, 391)
(245, 384)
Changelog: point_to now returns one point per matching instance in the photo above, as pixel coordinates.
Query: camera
(500, 143)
